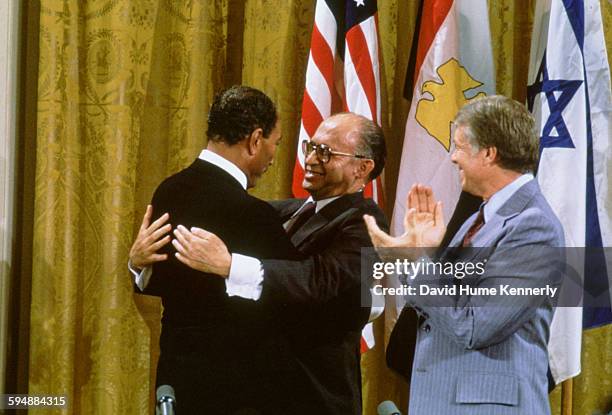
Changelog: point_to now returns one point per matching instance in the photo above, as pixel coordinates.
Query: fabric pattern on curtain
(123, 92)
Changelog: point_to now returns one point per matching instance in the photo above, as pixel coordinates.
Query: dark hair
(505, 124)
(372, 145)
(237, 111)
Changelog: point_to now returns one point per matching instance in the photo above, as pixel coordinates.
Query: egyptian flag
(450, 64)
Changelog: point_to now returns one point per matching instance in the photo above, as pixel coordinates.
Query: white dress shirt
(503, 195)
(246, 273)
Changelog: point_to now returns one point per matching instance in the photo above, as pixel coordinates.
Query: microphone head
(387, 408)
(165, 392)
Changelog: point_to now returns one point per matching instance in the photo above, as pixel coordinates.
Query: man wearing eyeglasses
(316, 301)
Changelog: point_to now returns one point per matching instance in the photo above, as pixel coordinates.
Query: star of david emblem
(359, 3)
(559, 93)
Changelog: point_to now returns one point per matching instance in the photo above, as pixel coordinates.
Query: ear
(254, 141)
(364, 169)
(490, 155)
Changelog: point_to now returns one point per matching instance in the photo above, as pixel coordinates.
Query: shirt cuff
(245, 277)
(141, 277)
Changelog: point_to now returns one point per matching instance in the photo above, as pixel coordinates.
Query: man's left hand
(423, 224)
(202, 250)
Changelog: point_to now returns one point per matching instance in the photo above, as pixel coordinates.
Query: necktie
(467, 239)
(308, 210)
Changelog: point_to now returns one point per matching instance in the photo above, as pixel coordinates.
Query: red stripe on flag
(434, 13)
(364, 346)
(358, 48)
(311, 118)
(322, 57)
(367, 191)
(381, 194)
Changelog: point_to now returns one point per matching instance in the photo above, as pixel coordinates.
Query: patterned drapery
(123, 91)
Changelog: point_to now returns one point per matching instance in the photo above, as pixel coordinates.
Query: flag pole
(566, 396)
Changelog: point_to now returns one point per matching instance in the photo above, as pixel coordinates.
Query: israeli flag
(569, 94)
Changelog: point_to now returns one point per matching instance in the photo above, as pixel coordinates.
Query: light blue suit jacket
(478, 358)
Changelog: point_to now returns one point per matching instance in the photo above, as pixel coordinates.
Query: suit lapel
(312, 225)
(488, 234)
(286, 208)
(513, 206)
(340, 207)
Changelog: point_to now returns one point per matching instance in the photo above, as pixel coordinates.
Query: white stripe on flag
(356, 99)
(317, 88)
(368, 335)
(325, 20)
(370, 30)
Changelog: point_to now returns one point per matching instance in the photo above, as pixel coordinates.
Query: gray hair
(500, 122)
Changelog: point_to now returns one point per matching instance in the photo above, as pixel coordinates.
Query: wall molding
(9, 64)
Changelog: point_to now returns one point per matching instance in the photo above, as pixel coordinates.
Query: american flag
(339, 81)
(343, 74)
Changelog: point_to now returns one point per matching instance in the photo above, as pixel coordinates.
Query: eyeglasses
(324, 153)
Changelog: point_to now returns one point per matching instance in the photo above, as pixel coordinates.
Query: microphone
(165, 400)
(387, 408)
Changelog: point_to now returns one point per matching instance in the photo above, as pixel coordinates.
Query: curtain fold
(123, 93)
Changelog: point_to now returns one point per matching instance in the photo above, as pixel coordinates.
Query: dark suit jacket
(216, 351)
(321, 315)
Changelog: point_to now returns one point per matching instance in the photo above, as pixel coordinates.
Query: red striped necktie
(478, 223)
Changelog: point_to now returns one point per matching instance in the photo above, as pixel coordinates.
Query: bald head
(368, 136)
(345, 153)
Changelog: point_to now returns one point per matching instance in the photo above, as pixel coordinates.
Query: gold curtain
(123, 91)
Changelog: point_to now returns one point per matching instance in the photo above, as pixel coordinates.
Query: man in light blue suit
(485, 353)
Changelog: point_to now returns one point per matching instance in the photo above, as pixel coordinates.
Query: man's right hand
(149, 240)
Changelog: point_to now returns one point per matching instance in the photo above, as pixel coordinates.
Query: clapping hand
(423, 223)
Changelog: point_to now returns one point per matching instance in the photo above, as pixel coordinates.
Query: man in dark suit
(316, 300)
(213, 347)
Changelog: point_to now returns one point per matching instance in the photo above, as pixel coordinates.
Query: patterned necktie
(467, 239)
(308, 210)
